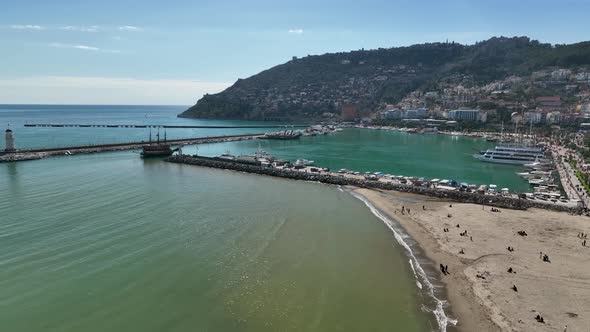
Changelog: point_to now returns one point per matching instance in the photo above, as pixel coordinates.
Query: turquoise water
(398, 153)
(110, 242)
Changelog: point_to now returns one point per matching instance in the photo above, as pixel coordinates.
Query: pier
(342, 180)
(74, 125)
(32, 154)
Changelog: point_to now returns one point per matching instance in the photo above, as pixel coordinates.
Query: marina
(537, 175)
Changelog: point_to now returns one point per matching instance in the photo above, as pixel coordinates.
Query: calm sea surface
(41, 137)
(432, 156)
(111, 242)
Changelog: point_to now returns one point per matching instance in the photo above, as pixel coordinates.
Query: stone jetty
(341, 180)
(22, 155)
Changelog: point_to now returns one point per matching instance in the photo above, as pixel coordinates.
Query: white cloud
(83, 47)
(26, 27)
(104, 90)
(91, 28)
(296, 31)
(130, 28)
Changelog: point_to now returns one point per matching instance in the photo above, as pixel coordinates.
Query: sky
(172, 52)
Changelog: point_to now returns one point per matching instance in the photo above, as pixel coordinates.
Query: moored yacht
(303, 162)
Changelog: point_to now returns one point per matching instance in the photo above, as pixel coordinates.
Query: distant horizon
(67, 104)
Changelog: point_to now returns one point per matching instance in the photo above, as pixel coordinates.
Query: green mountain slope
(311, 86)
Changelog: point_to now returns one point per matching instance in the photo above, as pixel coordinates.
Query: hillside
(312, 86)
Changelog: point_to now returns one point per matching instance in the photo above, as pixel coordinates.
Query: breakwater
(32, 154)
(82, 125)
(341, 180)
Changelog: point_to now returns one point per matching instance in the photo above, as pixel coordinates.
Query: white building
(418, 113)
(467, 115)
(532, 117)
(553, 117)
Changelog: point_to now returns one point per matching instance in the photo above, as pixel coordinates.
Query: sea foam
(421, 278)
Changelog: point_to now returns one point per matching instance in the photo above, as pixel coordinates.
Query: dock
(156, 126)
(33, 154)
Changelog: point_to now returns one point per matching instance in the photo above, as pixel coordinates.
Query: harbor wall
(331, 178)
(32, 154)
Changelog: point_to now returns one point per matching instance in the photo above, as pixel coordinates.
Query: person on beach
(514, 288)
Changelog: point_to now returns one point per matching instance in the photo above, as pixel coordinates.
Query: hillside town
(553, 96)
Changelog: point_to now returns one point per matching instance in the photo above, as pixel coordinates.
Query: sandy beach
(479, 286)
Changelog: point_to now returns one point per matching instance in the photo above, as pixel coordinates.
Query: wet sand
(479, 288)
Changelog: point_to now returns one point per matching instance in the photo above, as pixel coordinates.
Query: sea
(112, 242)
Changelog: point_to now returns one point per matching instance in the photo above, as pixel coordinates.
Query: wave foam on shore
(421, 277)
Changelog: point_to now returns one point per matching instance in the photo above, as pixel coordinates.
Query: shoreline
(478, 286)
(418, 262)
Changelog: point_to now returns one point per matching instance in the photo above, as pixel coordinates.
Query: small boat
(492, 189)
(482, 189)
(303, 162)
(542, 181)
(227, 156)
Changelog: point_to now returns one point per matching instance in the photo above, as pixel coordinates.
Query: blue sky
(172, 52)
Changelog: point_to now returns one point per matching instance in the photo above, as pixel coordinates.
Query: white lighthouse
(9, 141)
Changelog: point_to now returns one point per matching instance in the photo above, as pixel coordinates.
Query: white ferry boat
(512, 154)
